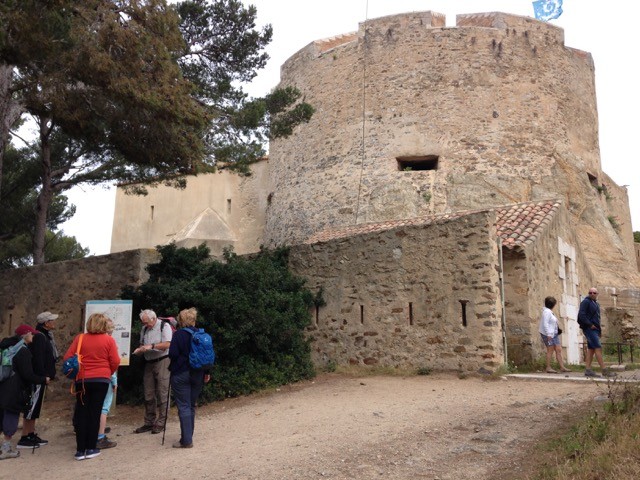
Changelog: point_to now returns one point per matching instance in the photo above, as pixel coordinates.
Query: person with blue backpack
(191, 354)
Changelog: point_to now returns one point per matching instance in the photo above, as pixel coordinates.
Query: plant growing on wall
(254, 308)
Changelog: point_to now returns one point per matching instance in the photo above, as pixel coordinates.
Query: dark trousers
(9, 422)
(89, 400)
(186, 388)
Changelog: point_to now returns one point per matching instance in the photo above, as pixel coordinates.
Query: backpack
(165, 321)
(6, 368)
(71, 366)
(170, 320)
(202, 354)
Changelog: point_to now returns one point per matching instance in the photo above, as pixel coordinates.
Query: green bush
(254, 309)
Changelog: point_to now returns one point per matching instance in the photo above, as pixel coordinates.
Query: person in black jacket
(15, 390)
(45, 354)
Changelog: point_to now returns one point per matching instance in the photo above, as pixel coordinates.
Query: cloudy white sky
(608, 30)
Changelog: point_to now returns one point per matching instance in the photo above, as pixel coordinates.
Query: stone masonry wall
(504, 110)
(65, 287)
(394, 298)
(500, 107)
(536, 272)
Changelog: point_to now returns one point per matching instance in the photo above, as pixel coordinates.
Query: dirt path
(432, 427)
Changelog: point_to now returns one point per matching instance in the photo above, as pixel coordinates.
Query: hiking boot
(91, 453)
(35, 438)
(608, 373)
(590, 373)
(27, 442)
(104, 442)
(8, 453)
(179, 444)
(156, 429)
(143, 429)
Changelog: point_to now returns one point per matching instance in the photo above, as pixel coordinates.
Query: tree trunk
(46, 193)
(10, 111)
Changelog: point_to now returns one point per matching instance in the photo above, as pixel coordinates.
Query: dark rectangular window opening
(463, 303)
(362, 314)
(423, 162)
(317, 314)
(152, 209)
(410, 313)
(228, 205)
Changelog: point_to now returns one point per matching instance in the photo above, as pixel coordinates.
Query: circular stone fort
(415, 118)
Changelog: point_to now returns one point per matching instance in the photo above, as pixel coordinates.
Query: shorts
(593, 338)
(35, 402)
(550, 343)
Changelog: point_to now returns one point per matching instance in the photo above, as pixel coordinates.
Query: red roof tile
(518, 224)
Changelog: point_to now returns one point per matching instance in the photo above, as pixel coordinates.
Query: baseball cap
(46, 316)
(24, 329)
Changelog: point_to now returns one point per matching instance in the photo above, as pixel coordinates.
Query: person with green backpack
(16, 378)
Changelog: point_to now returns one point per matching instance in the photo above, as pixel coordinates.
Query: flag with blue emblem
(546, 10)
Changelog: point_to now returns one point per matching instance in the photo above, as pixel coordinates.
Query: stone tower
(415, 118)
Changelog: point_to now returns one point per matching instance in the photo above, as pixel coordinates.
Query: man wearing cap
(44, 356)
(15, 390)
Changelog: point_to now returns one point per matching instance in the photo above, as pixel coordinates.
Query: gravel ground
(337, 427)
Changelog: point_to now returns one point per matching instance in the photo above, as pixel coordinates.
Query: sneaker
(590, 373)
(79, 455)
(27, 442)
(91, 453)
(143, 429)
(179, 444)
(34, 437)
(11, 453)
(105, 443)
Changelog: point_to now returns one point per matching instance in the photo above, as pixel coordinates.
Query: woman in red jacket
(99, 359)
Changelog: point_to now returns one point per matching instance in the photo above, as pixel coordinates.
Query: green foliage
(613, 220)
(601, 442)
(255, 309)
(18, 205)
(137, 92)
(636, 237)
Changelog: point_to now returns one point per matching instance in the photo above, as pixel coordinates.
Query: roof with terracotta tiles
(518, 224)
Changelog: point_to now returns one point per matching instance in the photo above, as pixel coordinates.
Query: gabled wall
(553, 265)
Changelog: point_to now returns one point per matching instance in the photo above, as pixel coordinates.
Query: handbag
(559, 330)
(71, 366)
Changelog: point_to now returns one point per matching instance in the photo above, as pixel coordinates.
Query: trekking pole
(166, 413)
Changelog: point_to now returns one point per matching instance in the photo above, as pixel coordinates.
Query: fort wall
(65, 287)
(220, 209)
(396, 297)
(495, 104)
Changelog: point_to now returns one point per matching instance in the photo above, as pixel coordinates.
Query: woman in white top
(549, 335)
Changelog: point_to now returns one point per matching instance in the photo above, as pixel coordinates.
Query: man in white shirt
(155, 338)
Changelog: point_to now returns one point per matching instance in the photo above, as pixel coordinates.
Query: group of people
(166, 355)
(167, 367)
(34, 366)
(589, 322)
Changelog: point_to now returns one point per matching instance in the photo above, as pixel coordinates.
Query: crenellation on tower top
(512, 25)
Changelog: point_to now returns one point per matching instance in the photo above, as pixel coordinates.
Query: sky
(607, 30)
